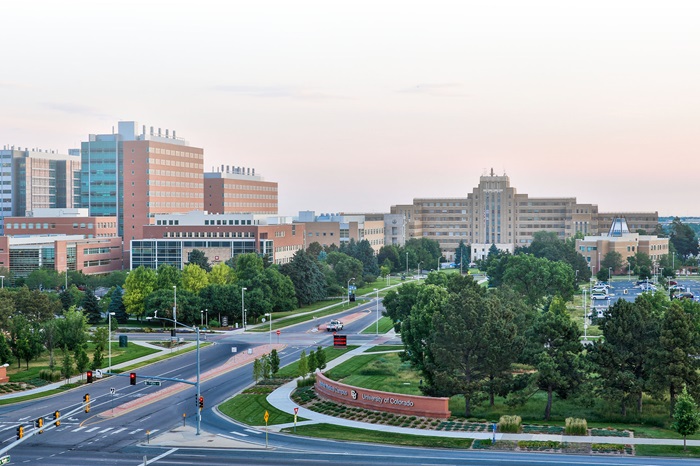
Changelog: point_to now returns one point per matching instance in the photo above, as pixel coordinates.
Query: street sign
(296, 410)
(267, 416)
(111, 391)
(234, 349)
(98, 374)
(153, 382)
(278, 332)
(5, 459)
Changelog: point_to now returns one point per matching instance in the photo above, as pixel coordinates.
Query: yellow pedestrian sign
(267, 416)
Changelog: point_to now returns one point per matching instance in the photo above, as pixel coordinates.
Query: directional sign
(5, 459)
(267, 416)
(98, 374)
(153, 382)
(111, 391)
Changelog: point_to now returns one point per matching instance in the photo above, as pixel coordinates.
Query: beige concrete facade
(494, 213)
(341, 229)
(594, 248)
(76, 222)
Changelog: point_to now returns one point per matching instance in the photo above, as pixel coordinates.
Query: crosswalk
(100, 430)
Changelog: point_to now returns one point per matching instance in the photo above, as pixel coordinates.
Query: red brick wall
(381, 401)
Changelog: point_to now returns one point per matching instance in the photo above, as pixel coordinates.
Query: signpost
(278, 336)
(296, 410)
(266, 417)
(153, 382)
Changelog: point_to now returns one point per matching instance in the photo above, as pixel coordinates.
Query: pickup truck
(334, 326)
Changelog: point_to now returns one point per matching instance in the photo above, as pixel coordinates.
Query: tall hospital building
(494, 213)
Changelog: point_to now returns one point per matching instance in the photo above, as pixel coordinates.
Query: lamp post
(269, 314)
(349, 289)
(175, 305)
(201, 318)
(243, 305)
(199, 393)
(419, 269)
(609, 274)
(585, 316)
(2, 279)
(377, 325)
(407, 263)
(109, 339)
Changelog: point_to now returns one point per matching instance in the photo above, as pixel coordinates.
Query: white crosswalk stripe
(92, 430)
(135, 431)
(79, 429)
(106, 430)
(119, 430)
(240, 433)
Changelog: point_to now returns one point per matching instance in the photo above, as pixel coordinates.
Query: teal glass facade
(101, 177)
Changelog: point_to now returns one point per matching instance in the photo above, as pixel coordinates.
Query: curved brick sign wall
(381, 401)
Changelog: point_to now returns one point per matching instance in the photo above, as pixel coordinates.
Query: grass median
(330, 431)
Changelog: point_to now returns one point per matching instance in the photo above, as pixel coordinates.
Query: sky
(357, 106)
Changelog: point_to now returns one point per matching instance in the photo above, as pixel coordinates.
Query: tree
(81, 359)
(274, 362)
(620, 358)
(311, 361)
(91, 307)
(303, 365)
(463, 252)
(388, 255)
(5, 351)
(116, 306)
(221, 274)
(20, 336)
(257, 370)
(167, 276)
(686, 420)
(198, 257)
(537, 278)
(307, 277)
(67, 365)
(556, 353)
(674, 363)
(49, 331)
(314, 249)
(683, 238)
(345, 268)
(398, 303)
(194, 278)
(455, 361)
(139, 284)
(612, 260)
(71, 331)
(101, 341)
(320, 358)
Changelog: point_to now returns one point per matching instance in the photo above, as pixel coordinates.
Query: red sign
(296, 410)
(278, 332)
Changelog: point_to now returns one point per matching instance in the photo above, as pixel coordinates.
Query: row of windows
(173, 194)
(176, 153)
(249, 204)
(96, 263)
(173, 184)
(189, 205)
(230, 222)
(208, 234)
(179, 174)
(294, 247)
(90, 251)
(249, 187)
(175, 163)
(248, 196)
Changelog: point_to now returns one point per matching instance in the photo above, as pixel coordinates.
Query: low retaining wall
(411, 405)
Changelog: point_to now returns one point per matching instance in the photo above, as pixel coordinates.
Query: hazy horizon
(357, 107)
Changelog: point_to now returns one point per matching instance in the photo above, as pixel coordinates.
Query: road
(95, 438)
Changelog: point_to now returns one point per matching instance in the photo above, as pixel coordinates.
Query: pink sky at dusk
(358, 106)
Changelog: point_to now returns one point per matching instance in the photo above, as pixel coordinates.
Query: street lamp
(109, 339)
(243, 305)
(196, 330)
(407, 263)
(175, 305)
(609, 274)
(349, 289)
(585, 316)
(377, 326)
(269, 314)
(2, 279)
(419, 269)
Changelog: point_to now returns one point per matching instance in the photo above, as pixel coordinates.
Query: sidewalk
(75, 379)
(281, 399)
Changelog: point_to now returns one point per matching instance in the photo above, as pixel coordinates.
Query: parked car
(647, 287)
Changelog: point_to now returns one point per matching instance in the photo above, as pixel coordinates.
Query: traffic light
(86, 400)
(39, 423)
(352, 298)
(201, 402)
(57, 417)
(132, 378)
(89, 376)
(20, 432)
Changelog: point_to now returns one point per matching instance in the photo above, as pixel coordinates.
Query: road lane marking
(119, 430)
(135, 431)
(79, 429)
(106, 430)
(240, 433)
(253, 431)
(169, 452)
(92, 430)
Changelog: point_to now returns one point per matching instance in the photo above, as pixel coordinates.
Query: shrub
(510, 424)
(575, 426)
(49, 375)
(306, 381)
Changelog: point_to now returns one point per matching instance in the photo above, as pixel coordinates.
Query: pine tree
(311, 361)
(91, 307)
(303, 364)
(320, 358)
(257, 370)
(274, 362)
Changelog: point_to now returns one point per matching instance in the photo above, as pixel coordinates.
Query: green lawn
(667, 450)
(379, 348)
(372, 436)
(385, 324)
(249, 408)
(385, 372)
